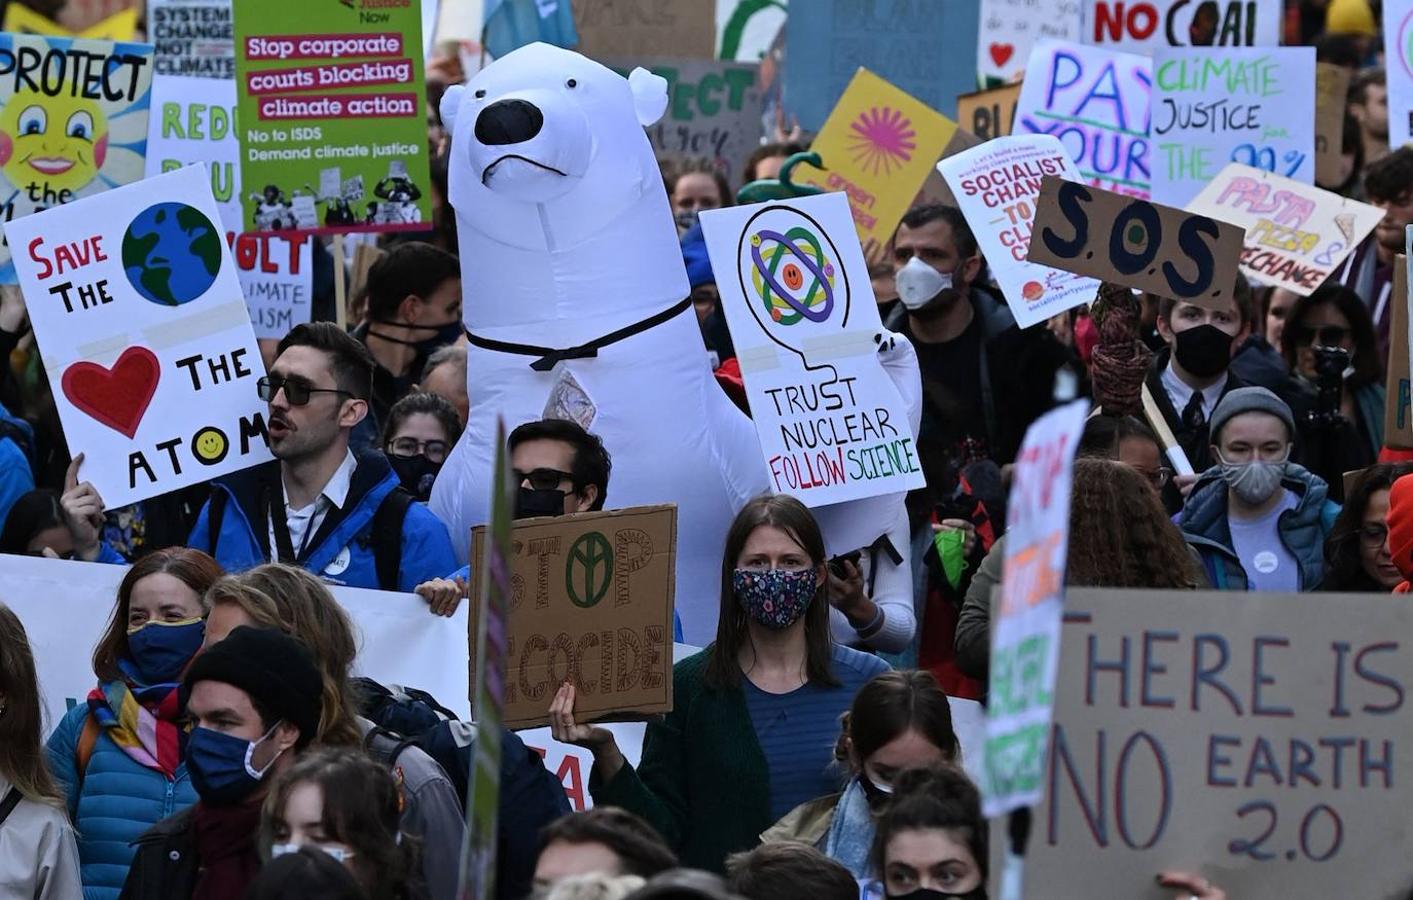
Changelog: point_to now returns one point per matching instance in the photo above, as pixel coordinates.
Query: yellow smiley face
(53, 143)
(210, 445)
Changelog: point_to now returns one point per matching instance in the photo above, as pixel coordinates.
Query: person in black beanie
(254, 701)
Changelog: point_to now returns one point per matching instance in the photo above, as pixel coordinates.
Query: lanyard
(284, 547)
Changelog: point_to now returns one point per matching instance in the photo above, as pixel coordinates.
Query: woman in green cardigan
(756, 714)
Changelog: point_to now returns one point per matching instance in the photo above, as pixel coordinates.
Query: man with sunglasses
(559, 469)
(341, 515)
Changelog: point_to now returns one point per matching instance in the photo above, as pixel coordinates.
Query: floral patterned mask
(776, 598)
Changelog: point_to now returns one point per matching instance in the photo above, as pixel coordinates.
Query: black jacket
(1195, 442)
(166, 865)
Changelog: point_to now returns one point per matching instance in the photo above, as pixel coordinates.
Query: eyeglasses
(296, 392)
(1373, 535)
(542, 479)
(1158, 477)
(1325, 335)
(435, 451)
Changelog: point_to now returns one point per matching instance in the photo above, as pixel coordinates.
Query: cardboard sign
(988, 114)
(326, 85)
(1398, 66)
(1146, 25)
(1257, 739)
(276, 274)
(1186, 256)
(797, 298)
(71, 134)
(1331, 94)
(878, 146)
(745, 29)
(713, 112)
(928, 52)
(996, 186)
(1398, 402)
(1010, 28)
(192, 37)
(1096, 103)
(591, 603)
(1025, 640)
(1212, 107)
(120, 26)
(1296, 234)
(144, 335)
(632, 29)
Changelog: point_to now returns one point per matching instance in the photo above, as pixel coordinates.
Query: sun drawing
(883, 139)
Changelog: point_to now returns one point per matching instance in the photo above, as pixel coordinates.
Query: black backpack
(408, 717)
(385, 535)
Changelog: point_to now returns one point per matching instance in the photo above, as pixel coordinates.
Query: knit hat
(1250, 399)
(1400, 525)
(277, 671)
(1350, 17)
(694, 255)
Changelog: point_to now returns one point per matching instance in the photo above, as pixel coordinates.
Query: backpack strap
(87, 740)
(376, 744)
(387, 536)
(7, 806)
(215, 512)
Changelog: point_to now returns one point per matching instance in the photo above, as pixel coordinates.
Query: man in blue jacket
(338, 514)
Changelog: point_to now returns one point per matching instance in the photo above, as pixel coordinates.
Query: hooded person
(1400, 530)
(254, 701)
(577, 307)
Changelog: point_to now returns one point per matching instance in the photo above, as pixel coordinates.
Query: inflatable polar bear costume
(575, 289)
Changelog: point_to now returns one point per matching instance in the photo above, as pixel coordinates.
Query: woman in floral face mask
(755, 715)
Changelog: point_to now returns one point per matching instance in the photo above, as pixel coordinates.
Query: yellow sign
(878, 146)
(121, 26)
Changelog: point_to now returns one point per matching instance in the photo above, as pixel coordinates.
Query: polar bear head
(545, 135)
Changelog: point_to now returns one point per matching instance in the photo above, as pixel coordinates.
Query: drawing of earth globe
(171, 253)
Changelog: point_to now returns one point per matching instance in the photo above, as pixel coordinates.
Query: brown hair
(22, 756)
(894, 702)
(639, 848)
(937, 798)
(699, 167)
(792, 517)
(1120, 535)
(361, 808)
(295, 602)
(192, 568)
(782, 870)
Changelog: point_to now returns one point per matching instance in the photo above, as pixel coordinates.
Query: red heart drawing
(117, 397)
(1000, 53)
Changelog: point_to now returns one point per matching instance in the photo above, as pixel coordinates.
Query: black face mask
(449, 333)
(417, 474)
(530, 503)
(977, 893)
(1204, 351)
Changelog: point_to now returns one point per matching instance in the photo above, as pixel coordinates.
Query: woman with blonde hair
(38, 854)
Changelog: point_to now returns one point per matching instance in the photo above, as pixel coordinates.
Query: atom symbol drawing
(792, 276)
(883, 139)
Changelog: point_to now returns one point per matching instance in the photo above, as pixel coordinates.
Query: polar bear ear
(451, 102)
(649, 95)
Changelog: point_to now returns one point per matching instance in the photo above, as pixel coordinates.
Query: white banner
(1398, 63)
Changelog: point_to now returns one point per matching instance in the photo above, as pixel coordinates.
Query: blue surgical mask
(219, 765)
(161, 650)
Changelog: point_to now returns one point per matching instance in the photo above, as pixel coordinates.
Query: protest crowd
(534, 293)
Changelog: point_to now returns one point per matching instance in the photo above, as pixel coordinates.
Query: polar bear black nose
(509, 122)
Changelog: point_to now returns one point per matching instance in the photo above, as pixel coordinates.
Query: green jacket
(703, 781)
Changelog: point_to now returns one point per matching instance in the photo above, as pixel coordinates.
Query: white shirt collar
(336, 490)
(1180, 393)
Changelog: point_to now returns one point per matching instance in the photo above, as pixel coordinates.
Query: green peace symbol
(590, 566)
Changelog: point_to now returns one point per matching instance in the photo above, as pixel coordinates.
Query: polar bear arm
(899, 360)
(649, 95)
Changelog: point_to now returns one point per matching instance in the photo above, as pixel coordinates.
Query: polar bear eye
(480, 94)
(571, 83)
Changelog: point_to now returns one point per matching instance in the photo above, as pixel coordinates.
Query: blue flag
(511, 24)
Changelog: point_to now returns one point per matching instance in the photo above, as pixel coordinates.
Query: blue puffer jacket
(1203, 521)
(342, 551)
(118, 801)
(16, 445)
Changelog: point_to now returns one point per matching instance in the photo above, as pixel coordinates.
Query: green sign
(332, 116)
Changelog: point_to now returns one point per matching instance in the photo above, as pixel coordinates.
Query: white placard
(996, 185)
(192, 37)
(1143, 26)
(1398, 65)
(1010, 28)
(136, 307)
(1254, 106)
(797, 297)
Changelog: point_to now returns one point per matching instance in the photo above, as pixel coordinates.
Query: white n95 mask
(918, 283)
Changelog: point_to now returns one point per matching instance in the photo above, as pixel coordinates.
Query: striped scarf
(141, 720)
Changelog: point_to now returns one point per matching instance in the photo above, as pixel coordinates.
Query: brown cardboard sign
(591, 602)
(1257, 739)
(633, 29)
(1398, 406)
(1136, 243)
(1331, 92)
(988, 114)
